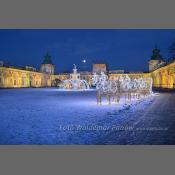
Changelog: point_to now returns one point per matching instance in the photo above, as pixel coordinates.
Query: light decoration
(75, 83)
(124, 86)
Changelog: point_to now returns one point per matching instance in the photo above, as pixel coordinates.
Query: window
(23, 82)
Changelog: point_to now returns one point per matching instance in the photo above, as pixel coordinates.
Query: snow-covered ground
(53, 116)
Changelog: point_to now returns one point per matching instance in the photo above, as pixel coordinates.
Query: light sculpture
(75, 83)
(123, 86)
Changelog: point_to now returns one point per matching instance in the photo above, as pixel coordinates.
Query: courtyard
(53, 116)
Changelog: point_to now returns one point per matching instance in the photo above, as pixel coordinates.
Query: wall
(164, 77)
(16, 78)
(47, 68)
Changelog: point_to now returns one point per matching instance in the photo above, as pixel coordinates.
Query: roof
(156, 54)
(47, 59)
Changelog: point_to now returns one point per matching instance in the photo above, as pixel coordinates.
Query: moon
(84, 60)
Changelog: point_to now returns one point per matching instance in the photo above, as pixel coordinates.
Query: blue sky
(121, 49)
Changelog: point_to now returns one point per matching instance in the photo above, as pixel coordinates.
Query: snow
(54, 116)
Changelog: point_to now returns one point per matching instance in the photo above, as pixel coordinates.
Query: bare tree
(172, 50)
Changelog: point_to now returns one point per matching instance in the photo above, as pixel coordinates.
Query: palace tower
(47, 65)
(156, 60)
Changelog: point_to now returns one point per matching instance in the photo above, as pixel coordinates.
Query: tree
(172, 50)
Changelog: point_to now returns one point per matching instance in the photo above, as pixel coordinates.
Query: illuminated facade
(16, 78)
(164, 77)
(98, 68)
(163, 74)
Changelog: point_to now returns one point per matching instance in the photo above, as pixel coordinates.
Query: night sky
(127, 50)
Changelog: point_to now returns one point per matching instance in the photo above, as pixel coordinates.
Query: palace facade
(163, 74)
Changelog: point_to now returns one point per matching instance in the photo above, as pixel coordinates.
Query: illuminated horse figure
(135, 88)
(114, 90)
(123, 86)
(102, 87)
(141, 87)
(146, 86)
(105, 88)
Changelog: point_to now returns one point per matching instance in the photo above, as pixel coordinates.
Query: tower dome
(156, 54)
(47, 59)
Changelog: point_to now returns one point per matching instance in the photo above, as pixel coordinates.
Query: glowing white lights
(124, 85)
(75, 83)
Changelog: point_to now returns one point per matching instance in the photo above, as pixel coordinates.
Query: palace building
(162, 73)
